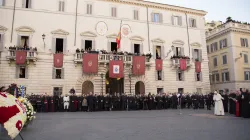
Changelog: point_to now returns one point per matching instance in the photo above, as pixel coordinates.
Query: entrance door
(180, 90)
(114, 85)
(87, 87)
(139, 88)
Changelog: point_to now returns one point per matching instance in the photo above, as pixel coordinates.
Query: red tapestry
(58, 60)
(139, 65)
(21, 57)
(116, 69)
(198, 66)
(90, 63)
(158, 64)
(183, 64)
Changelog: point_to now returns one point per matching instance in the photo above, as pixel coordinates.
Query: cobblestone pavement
(137, 125)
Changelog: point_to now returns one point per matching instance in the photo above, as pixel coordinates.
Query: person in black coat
(225, 102)
(90, 100)
(245, 104)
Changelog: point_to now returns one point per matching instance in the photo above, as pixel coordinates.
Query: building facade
(228, 53)
(63, 26)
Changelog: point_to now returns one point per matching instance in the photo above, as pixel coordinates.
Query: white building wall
(45, 18)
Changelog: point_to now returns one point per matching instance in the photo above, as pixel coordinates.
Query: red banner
(90, 63)
(21, 57)
(58, 60)
(138, 65)
(183, 64)
(158, 64)
(116, 69)
(197, 66)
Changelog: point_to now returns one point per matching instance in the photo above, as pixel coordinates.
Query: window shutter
(17, 71)
(26, 72)
(156, 75)
(174, 51)
(172, 19)
(132, 48)
(193, 53)
(53, 73)
(223, 76)
(246, 42)
(63, 73)
(201, 76)
(228, 76)
(109, 47)
(90, 8)
(180, 20)
(242, 42)
(161, 17)
(200, 54)
(135, 16)
(225, 42)
(93, 45)
(245, 76)
(60, 5)
(65, 45)
(53, 48)
(63, 6)
(195, 25)
(182, 51)
(83, 44)
(23, 3)
(162, 52)
(18, 40)
(141, 49)
(162, 72)
(152, 17)
(3, 3)
(190, 22)
(1, 42)
(30, 3)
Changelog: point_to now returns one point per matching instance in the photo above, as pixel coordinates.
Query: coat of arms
(138, 66)
(58, 61)
(21, 57)
(90, 63)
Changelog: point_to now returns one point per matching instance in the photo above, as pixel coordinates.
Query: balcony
(105, 58)
(30, 57)
(176, 62)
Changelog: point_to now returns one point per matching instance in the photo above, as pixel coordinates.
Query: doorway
(114, 85)
(87, 87)
(139, 88)
(180, 90)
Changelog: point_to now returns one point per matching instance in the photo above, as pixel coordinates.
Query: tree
(229, 19)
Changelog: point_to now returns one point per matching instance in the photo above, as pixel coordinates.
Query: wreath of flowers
(29, 110)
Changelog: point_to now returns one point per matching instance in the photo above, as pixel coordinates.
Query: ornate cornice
(88, 34)
(59, 32)
(178, 42)
(158, 40)
(136, 38)
(25, 29)
(160, 6)
(3, 29)
(231, 29)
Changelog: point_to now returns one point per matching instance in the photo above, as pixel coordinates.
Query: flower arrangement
(29, 110)
(179, 57)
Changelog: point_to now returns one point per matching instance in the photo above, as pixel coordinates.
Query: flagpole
(120, 36)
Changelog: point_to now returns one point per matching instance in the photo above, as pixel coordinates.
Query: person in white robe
(218, 108)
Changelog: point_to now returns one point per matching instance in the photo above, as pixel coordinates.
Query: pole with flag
(119, 37)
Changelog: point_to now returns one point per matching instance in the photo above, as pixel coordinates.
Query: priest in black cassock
(245, 104)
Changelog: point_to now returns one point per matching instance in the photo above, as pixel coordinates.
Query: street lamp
(102, 75)
(129, 75)
(43, 36)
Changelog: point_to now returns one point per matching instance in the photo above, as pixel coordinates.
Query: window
(198, 76)
(215, 62)
(1, 42)
(178, 51)
(192, 22)
(57, 91)
(197, 54)
(88, 45)
(24, 41)
(176, 20)
(113, 12)
(158, 52)
(213, 78)
(212, 48)
(247, 75)
(217, 77)
(58, 73)
(2, 2)
(137, 48)
(21, 72)
(225, 77)
(246, 58)
(89, 9)
(113, 46)
(61, 5)
(244, 42)
(136, 15)
(59, 45)
(159, 75)
(157, 17)
(207, 48)
(26, 4)
(160, 90)
(223, 43)
(180, 76)
(224, 59)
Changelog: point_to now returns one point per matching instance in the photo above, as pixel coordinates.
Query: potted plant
(77, 50)
(82, 51)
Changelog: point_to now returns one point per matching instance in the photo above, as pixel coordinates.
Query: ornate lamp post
(43, 36)
(102, 76)
(130, 75)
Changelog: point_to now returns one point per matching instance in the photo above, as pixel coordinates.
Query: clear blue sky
(217, 9)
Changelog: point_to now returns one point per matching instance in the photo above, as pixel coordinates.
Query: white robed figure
(218, 108)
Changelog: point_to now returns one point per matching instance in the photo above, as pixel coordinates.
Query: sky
(218, 10)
